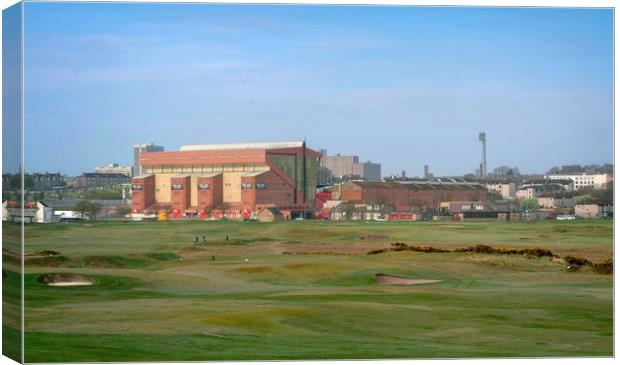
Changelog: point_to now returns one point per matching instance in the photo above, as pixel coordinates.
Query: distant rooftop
(419, 185)
(556, 176)
(104, 174)
(548, 181)
(142, 176)
(255, 173)
(241, 146)
(142, 145)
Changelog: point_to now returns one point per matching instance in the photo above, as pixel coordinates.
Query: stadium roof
(241, 146)
(418, 185)
(548, 181)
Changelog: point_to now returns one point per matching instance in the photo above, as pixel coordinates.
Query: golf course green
(193, 290)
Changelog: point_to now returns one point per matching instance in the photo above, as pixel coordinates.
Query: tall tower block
(482, 137)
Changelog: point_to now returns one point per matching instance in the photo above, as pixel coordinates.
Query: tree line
(579, 169)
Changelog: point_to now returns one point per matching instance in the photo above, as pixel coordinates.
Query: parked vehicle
(566, 217)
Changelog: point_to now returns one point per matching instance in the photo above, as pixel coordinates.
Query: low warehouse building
(411, 195)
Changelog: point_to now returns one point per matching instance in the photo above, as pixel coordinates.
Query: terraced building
(238, 179)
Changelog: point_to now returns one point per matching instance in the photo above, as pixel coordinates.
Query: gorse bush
(577, 261)
(604, 267)
(538, 252)
(574, 263)
(400, 246)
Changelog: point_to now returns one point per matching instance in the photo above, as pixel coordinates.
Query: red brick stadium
(235, 179)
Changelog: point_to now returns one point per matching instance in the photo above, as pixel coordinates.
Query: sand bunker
(61, 279)
(387, 279)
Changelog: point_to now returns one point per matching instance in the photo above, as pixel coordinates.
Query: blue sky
(403, 86)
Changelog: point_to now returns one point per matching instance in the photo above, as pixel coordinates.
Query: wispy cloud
(148, 73)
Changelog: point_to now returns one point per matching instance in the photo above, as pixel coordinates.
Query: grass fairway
(307, 291)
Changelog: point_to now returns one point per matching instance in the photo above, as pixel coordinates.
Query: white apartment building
(114, 168)
(582, 181)
(506, 190)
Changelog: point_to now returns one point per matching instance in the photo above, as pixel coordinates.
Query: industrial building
(410, 194)
(239, 179)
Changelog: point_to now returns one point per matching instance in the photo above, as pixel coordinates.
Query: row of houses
(35, 181)
(50, 181)
(549, 185)
(40, 212)
(58, 210)
(458, 200)
(342, 210)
